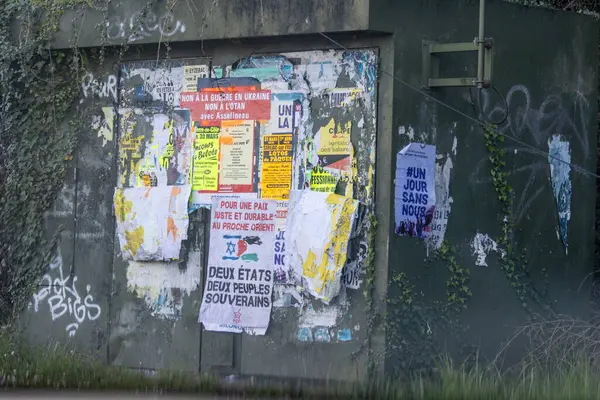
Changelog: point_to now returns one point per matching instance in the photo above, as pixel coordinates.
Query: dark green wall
(546, 67)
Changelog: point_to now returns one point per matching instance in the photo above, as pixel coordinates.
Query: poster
(322, 180)
(320, 256)
(414, 203)
(205, 176)
(335, 139)
(191, 74)
(276, 175)
(237, 153)
(152, 221)
(239, 280)
(228, 104)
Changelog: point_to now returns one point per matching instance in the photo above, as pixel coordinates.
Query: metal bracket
(431, 64)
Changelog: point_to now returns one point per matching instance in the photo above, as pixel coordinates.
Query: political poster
(239, 280)
(414, 203)
(228, 104)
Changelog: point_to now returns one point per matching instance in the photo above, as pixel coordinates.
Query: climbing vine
(457, 286)
(370, 262)
(37, 94)
(40, 119)
(513, 264)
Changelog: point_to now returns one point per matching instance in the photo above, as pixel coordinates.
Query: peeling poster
(239, 280)
(414, 199)
(319, 257)
(152, 221)
(559, 150)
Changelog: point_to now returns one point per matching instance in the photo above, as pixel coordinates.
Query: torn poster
(319, 257)
(152, 221)
(191, 74)
(415, 190)
(559, 157)
(164, 159)
(239, 282)
(279, 258)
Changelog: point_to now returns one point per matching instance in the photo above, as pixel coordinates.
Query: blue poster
(414, 198)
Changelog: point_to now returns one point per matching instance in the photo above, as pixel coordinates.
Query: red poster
(228, 104)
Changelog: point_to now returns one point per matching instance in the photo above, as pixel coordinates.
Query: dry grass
(562, 363)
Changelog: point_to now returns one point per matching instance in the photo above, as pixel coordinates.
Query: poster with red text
(228, 104)
(239, 280)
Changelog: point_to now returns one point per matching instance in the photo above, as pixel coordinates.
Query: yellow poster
(276, 176)
(205, 175)
(335, 138)
(237, 152)
(322, 180)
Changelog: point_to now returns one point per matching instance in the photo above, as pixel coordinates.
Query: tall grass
(562, 364)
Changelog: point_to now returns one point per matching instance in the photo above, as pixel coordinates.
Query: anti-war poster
(239, 281)
(415, 190)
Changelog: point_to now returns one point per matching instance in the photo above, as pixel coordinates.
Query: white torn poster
(318, 229)
(414, 199)
(152, 221)
(239, 280)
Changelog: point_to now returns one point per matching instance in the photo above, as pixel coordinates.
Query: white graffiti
(63, 299)
(565, 114)
(103, 89)
(137, 26)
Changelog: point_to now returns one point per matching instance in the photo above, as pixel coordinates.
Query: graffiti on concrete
(564, 115)
(103, 88)
(141, 25)
(63, 299)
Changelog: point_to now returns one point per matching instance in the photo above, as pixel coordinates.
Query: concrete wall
(145, 314)
(546, 68)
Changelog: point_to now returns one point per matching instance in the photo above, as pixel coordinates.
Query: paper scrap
(152, 221)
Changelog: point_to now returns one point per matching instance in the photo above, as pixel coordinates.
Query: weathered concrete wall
(151, 313)
(144, 314)
(143, 21)
(546, 68)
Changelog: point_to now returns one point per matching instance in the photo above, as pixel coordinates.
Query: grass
(573, 375)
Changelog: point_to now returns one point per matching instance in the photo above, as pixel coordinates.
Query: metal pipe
(480, 42)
